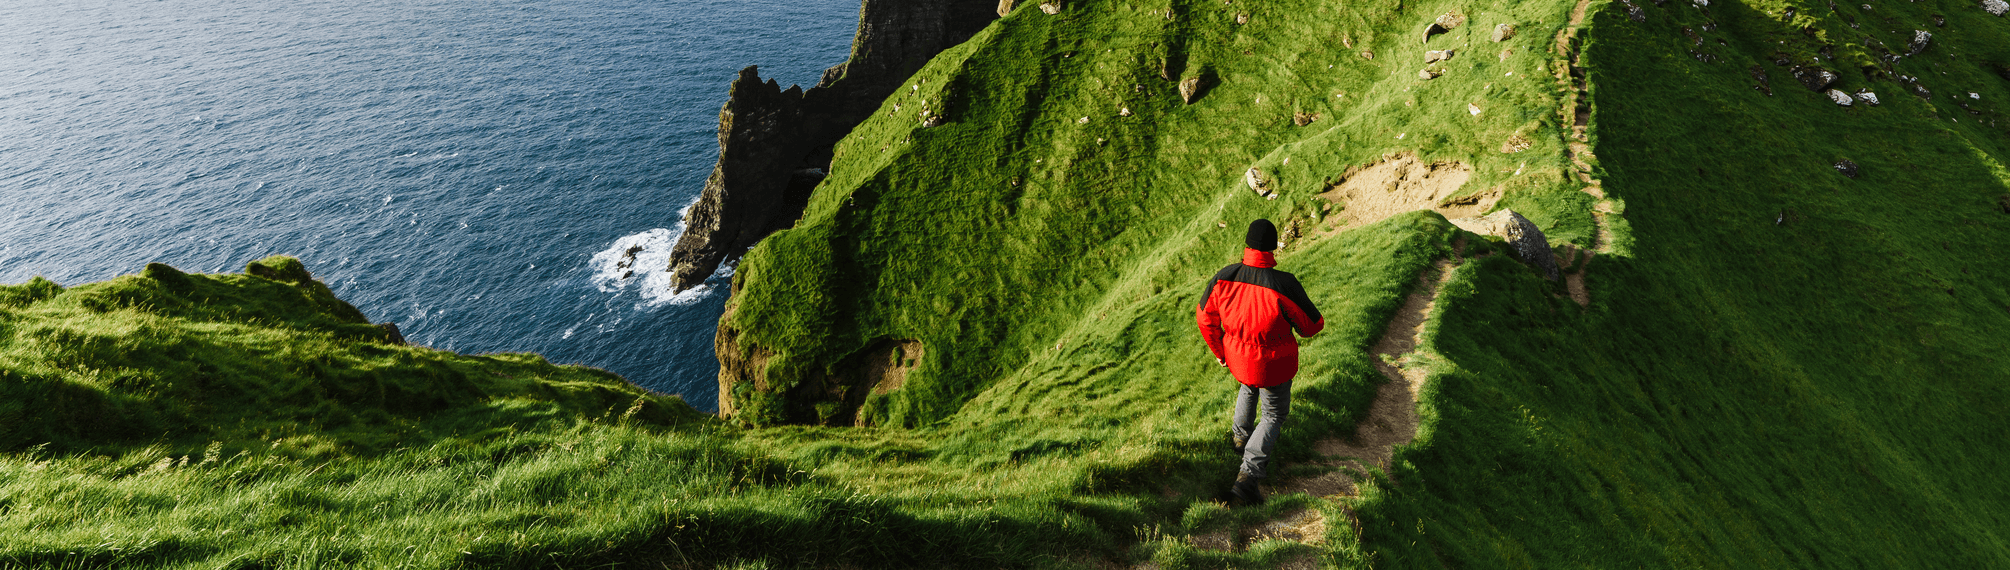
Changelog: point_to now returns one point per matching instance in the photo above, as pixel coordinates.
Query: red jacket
(1247, 314)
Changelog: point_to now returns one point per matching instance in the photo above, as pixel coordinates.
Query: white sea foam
(648, 268)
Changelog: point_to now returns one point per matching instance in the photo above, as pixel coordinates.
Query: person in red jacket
(1247, 316)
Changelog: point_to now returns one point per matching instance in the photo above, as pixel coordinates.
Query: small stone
(1920, 39)
(1847, 168)
(1974, 95)
(933, 121)
(1702, 3)
(1241, 19)
(1050, 8)
(1082, 121)
(1516, 143)
(1996, 7)
(1633, 11)
(1450, 20)
(1506, 53)
(1302, 118)
(1435, 56)
(1503, 32)
(1429, 73)
(1867, 97)
(1840, 97)
(1472, 108)
(1367, 55)
(1005, 7)
(1124, 112)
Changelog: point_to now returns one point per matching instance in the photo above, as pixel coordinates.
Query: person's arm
(1210, 323)
(1298, 310)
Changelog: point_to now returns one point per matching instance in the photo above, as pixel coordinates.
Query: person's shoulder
(1227, 272)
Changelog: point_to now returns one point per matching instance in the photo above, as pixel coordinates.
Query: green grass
(1780, 366)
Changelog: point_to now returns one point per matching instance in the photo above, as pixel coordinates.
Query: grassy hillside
(1776, 365)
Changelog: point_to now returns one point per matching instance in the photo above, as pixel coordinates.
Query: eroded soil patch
(1402, 183)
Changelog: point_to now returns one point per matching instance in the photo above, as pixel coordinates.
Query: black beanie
(1262, 235)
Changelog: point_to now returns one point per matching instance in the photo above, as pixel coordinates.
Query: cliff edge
(775, 145)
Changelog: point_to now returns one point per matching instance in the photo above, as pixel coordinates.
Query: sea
(472, 170)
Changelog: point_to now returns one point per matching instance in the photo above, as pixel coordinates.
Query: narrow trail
(1392, 419)
(1577, 107)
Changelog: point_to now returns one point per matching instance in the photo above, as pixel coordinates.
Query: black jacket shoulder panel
(1289, 287)
(1283, 283)
(1226, 274)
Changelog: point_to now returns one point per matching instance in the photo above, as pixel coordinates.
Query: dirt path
(1578, 150)
(1392, 419)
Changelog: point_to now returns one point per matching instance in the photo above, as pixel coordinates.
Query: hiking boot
(1245, 489)
(1235, 444)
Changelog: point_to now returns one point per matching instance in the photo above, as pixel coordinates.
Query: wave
(642, 261)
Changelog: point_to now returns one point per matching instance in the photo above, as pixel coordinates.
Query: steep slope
(976, 349)
(1775, 357)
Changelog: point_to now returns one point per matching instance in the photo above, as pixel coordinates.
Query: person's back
(1247, 316)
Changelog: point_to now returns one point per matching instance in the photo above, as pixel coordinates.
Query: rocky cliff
(775, 145)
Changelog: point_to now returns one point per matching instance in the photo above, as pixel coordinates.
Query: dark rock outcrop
(775, 144)
(1815, 78)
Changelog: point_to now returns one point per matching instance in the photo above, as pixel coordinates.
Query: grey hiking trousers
(1271, 405)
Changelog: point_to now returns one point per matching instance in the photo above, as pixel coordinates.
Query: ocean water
(470, 170)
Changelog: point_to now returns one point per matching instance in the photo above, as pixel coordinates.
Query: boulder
(1867, 97)
(1005, 7)
(1524, 239)
(1847, 168)
(1503, 32)
(1429, 73)
(1435, 56)
(1840, 97)
(1920, 39)
(1996, 7)
(1050, 8)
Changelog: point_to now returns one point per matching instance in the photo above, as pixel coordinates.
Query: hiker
(1247, 315)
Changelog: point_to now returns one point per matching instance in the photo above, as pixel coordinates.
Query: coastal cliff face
(775, 145)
